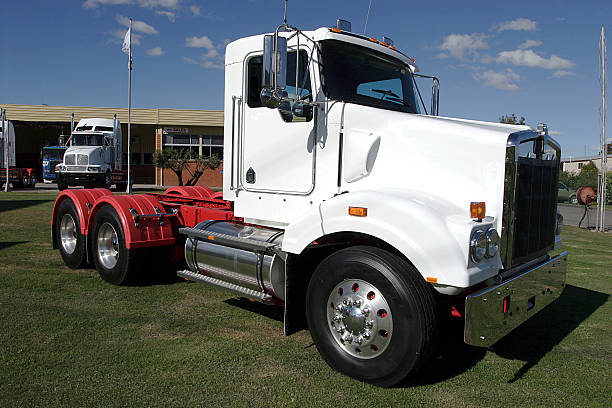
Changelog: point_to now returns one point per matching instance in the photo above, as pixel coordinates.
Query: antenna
(285, 16)
(367, 17)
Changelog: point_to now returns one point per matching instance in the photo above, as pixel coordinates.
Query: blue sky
(537, 59)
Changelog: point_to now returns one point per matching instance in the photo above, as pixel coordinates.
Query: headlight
(492, 242)
(559, 224)
(478, 246)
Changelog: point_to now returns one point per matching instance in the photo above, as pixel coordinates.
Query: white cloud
(529, 58)
(150, 4)
(212, 58)
(97, 3)
(195, 10)
(458, 45)
(442, 56)
(118, 34)
(561, 73)
(199, 42)
(555, 132)
(529, 44)
(156, 51)
(520, 24)
(138, 26)
(171, 16)
(504, 80)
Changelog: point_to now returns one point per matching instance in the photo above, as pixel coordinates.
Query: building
(199, 131)
(574, 164)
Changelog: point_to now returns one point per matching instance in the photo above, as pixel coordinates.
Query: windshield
(86, 139)
(360, 75)
(53, 154)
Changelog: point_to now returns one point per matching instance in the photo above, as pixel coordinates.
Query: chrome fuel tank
(257, 270)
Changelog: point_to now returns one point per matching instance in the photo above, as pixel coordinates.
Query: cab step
(252, 294)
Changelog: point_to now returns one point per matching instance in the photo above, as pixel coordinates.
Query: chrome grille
(82, 160)
(69, 160)
(77, 168)
(530, 197)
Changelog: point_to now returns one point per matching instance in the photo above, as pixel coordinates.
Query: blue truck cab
(51, 156)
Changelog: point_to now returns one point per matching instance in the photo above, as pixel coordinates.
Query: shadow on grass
(529, 342)
(536, 337)
(269, 311)
(8, 205)
(7, 244)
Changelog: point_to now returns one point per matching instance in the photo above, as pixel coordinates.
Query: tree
(587, 176)
(512, 120)
(181, 160)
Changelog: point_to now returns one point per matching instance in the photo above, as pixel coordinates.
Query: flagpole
(129, 177)
(5, 136)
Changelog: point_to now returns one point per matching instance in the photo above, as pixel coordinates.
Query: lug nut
(338, 317)
(359, 340)
(340, 330)
(365, 311)
(348, 302)
(358, 303)
(340, 308)
(367, 334)
(348, 337)
(369, 323)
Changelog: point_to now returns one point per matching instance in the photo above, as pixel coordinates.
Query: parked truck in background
(94, 156)
(51, 156)
(326, 213)
(19, 177)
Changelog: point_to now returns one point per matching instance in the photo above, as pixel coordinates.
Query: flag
(126, 42)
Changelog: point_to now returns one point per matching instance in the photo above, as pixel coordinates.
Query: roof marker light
(374, 40)
(336, 30)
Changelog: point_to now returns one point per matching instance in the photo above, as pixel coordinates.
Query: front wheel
(115, 263)
(371, 315)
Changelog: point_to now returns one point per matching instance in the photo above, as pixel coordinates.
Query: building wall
(575, 165)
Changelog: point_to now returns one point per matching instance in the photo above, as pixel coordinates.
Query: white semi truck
(349, 204)
(94, 156)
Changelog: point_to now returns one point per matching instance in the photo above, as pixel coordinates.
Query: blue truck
(51, 157)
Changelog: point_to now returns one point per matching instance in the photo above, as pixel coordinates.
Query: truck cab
(93, 157)
(51, 157)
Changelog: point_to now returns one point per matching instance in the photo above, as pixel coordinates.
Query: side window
(254, 68)
(303, 88)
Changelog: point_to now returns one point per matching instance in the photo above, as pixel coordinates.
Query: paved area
(573, 213)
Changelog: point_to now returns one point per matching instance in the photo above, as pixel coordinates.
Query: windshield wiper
(385, 92)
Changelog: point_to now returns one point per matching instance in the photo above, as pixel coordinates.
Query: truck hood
(452, 161)
(94, 153)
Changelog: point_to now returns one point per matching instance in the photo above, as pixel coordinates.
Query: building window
(580, 165)
(135, 159)
(204, 145)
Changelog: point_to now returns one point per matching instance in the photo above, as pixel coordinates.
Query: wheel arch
(83, 201)
(149, 232)
(429, 233)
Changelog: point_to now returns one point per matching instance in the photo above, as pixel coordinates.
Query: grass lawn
(69, 339)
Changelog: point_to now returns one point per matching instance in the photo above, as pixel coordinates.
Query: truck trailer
(19, 177)
(326, 212)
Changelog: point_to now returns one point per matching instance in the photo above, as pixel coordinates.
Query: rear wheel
(107, 182)
(371, 315)
(61, 184)
(68, 235)
(114, 261)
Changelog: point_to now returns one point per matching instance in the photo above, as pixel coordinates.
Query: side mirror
(274, 75)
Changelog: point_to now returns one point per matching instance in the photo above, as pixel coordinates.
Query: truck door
(276, 147)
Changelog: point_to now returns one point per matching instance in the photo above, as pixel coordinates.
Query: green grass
(69, 339)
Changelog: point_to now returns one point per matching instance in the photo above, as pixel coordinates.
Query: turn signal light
(478, 210)
(358, 211)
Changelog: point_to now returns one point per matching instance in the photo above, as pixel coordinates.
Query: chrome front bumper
(495, 311)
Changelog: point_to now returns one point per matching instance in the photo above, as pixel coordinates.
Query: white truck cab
(93, 158)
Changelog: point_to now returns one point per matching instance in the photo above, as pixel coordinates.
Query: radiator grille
(82, 160)
(69, 160)
(77, 168)
(536, 204)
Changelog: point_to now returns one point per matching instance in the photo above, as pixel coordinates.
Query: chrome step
(224, 285)
(229, 240)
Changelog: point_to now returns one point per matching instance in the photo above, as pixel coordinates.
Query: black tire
(118, 267)
(71, 242)
(61, 184)
(121, 187)
(107, 181)
(393, 354)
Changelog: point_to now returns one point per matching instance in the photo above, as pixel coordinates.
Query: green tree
(512, 120)
(182, 160)
(587, 176)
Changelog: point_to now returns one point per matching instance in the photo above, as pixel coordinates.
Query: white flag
(126, 42)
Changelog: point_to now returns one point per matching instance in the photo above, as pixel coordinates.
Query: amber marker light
(432, 280)
(374, 40)
(336, 30)
(211, 238)
(478, 210)
(393, 47)
(358, 211)
(384, 43)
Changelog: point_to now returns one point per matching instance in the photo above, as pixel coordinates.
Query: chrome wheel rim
(68, 233)
(108, 246)
(359, 318)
